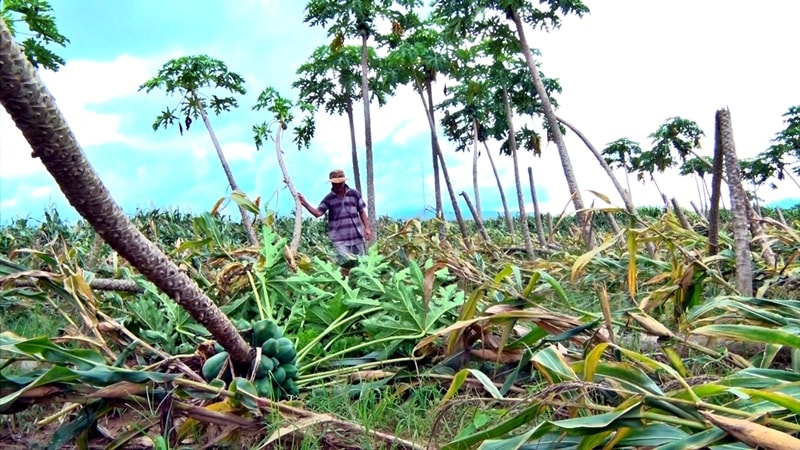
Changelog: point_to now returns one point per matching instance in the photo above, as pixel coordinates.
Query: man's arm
(365, 221)
(314, 211)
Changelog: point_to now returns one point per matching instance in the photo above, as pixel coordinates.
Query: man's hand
(301, 198)
(368, 233)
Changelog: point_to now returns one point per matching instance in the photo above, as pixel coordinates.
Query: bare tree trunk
(506, 211)
(512, 141)
(741, 233)
(372, 216)
(697, 210)
(353, 146)
(760, 236)
(614, 225)
(625, 194)
(536, 213)
(474, 166)
(780, 216)
(36, 114)
(555, 129)
(437, 183)
(456, 209)
(248, 226)
(716, 193)
(681, 216)
(298, 210)
(476, 217)
(550, 229)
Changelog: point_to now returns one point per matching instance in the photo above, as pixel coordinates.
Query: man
(348, 226)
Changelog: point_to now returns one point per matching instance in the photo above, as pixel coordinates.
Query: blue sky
(625, 68)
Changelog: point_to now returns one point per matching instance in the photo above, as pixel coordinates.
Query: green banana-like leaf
(751, 333)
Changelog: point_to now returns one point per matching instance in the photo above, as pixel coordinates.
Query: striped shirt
(344, 221)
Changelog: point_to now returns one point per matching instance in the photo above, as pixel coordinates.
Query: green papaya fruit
(213, 365)
(291, 370)
(270, 347)
(264, 388)
(264, 367)
(286, 350)
(290, 387)
(279, 375)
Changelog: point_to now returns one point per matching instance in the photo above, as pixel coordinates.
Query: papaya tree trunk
(371, 215)
(298, 210)
(625, 194)
(474, 167)
(506, 211)
(36, 114)
(536, 213)
(716, 193)
(555, 129)
(353, 146)
(248, 226)
(741, 232)
(462, 226)
(437, 183)
(476, 217)
(512, 144)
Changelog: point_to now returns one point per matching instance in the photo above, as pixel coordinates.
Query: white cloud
(78, 85)
(41, 192)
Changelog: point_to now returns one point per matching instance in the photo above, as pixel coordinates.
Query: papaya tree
(356, 19)
(782, 158)
(187, 76)
(331, 78)
(35, 112)
(483, 19)
(283, 113)
(417, 59)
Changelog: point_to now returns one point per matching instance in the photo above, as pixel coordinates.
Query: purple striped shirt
(344, 221)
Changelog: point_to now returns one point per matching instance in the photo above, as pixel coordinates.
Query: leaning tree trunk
(36, 114)
(437, 183)
(476, 217)
(436, 148)
(298, 210)
(373, 220)
(475, 167)
(741, 232)
(353, 146)
(537, 215)
(506, 211)
(625, 194)
(555, 129)
(512, 141)
(248, 226)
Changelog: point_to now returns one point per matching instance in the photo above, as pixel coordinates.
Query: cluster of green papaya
(275, 371)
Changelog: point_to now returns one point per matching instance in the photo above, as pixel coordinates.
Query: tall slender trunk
(506, 211)
(298, 210)
(36, 114)
(248, 226)
(716, 193)
(353, 146)
(437, 183)
(741, 233)
(453, 199)
(476, 217)
(512, 141)
(625, 194)
(555, 129)
(536, 213)
(475, 167)
(373, 220)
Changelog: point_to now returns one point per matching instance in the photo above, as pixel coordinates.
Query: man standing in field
(348, 226)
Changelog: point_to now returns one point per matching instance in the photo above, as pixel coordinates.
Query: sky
(625, 68)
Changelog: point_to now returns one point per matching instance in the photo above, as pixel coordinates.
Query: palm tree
(186, 76)
(36, 114)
